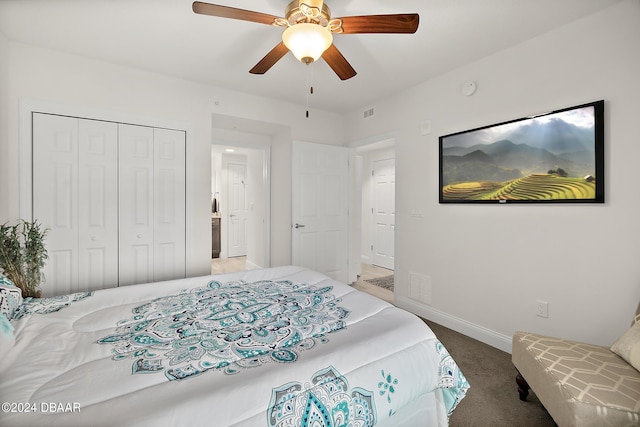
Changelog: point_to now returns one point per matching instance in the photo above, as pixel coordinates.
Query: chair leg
(523, 387)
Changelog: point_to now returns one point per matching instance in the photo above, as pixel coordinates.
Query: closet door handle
(299, 225)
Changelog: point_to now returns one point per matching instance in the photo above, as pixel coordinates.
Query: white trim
(487, 336)
(266, 178)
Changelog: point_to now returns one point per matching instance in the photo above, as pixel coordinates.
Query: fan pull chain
(310, 85)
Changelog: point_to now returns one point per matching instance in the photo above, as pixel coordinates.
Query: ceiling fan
(309, 31)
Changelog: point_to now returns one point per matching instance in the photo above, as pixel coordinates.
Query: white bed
(282, 346)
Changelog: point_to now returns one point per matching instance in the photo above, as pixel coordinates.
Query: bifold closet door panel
(136, 194)
(55, 198)
(98, 204)
(75, 197)
(113, 198)
(152, 204)
(169, 205)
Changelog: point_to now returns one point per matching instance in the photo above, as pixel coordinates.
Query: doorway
(240, 202)
(377, 200)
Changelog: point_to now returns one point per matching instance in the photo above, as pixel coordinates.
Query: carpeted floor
(492, 399)
(385, 282)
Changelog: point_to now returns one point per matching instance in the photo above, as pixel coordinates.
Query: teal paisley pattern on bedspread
(453, 383)
(48, 305)
(328, 400)
(325, 401)
(226, 326)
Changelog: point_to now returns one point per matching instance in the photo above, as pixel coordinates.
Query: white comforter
(143, 355)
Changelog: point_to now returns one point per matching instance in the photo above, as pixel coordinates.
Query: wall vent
(420, 287)
(369, 112)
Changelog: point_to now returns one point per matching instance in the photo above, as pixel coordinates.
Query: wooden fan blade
(232, 12)
(395, 24)
(338, 63)
(270, 59)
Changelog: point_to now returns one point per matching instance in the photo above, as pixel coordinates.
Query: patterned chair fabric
(579, 384)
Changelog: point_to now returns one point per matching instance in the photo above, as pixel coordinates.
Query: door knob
(299, 225)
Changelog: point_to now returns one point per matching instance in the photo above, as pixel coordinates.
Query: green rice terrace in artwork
(534, 186)
(552, 157)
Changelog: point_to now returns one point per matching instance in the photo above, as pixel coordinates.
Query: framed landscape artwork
(556, 157)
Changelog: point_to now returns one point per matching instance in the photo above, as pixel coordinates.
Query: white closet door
(98, 204)
(55, 198)
(75, 197)
(152, 204)
(136, 204)
(113, 197)
(169, 205)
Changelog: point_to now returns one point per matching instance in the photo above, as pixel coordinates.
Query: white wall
(281, 159)
(42, 74)
(4, 127)
(256, 201)
(489, 264)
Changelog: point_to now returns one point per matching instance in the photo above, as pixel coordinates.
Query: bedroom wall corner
(4, 129)
(489, 264)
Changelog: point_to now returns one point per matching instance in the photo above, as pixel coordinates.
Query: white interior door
(384, 185)
(237, 208)
(320, 208)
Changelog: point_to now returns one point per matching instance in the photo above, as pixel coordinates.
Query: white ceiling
(166, 37)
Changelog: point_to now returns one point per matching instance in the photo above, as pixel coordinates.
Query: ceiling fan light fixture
(307, 41)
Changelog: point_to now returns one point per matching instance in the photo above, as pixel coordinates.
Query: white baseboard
(480, 333)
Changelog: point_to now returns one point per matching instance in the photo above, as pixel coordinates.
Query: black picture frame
(555, 157)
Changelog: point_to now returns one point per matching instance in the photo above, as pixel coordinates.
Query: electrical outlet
(542, 309)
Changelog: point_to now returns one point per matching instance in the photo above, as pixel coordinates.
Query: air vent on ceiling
(369, 112)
